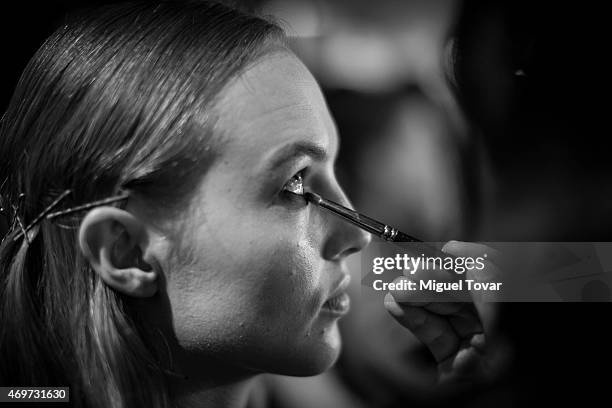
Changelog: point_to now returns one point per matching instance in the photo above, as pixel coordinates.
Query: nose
(344, 238)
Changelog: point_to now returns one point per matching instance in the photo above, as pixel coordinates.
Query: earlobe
(114, 241)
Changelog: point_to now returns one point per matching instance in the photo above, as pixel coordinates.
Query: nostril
(362, 241)
(346, 240)
(351, 251)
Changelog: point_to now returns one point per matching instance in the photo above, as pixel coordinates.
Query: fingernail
(449, 243)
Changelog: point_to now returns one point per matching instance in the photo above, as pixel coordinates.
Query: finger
(444, 308)
(432, 268)
(466, 322)
(431, 329)
(486, 302)
(463, 317)
(421, 297)
(471, 249)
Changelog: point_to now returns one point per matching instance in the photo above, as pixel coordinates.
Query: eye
(295, 185)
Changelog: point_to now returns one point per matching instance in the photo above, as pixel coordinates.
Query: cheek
(256, 288)
(256, 271)
(292, 287)
(274, 266)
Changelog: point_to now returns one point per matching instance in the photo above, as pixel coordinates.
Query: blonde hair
(106, 104)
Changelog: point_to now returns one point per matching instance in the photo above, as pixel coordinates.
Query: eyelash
(287, 192)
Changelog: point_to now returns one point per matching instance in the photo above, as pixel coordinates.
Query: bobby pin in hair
(17, 219)
(47, 214)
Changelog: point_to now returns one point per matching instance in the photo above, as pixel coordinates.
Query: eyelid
(296, 187)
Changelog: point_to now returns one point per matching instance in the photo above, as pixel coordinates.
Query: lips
(339, 302)
(339, 305)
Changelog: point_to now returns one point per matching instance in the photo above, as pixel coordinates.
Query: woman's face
(260, 264)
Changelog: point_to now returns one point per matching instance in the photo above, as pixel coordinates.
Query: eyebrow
(294, 150)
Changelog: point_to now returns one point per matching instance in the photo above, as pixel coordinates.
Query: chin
(318, 354)
(310, 365)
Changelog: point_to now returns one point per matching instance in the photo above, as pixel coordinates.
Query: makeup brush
(377, 228)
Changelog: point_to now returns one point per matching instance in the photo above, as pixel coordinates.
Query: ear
(116, 244)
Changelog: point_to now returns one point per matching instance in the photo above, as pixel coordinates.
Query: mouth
(339, 303)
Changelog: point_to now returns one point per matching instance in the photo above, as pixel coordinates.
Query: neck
(212, 391)
(211, 387)
(194, 393)
(196, 379)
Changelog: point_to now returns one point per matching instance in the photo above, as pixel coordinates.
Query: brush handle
(417, 244)
(377, 228)
(402, 237)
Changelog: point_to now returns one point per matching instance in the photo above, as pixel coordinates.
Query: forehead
(274, 102)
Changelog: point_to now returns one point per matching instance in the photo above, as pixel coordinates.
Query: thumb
(486, 301)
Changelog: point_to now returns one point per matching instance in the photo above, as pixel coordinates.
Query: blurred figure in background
(404, 160)
(530, 77)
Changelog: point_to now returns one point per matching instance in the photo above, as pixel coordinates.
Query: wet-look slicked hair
(120, 98)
